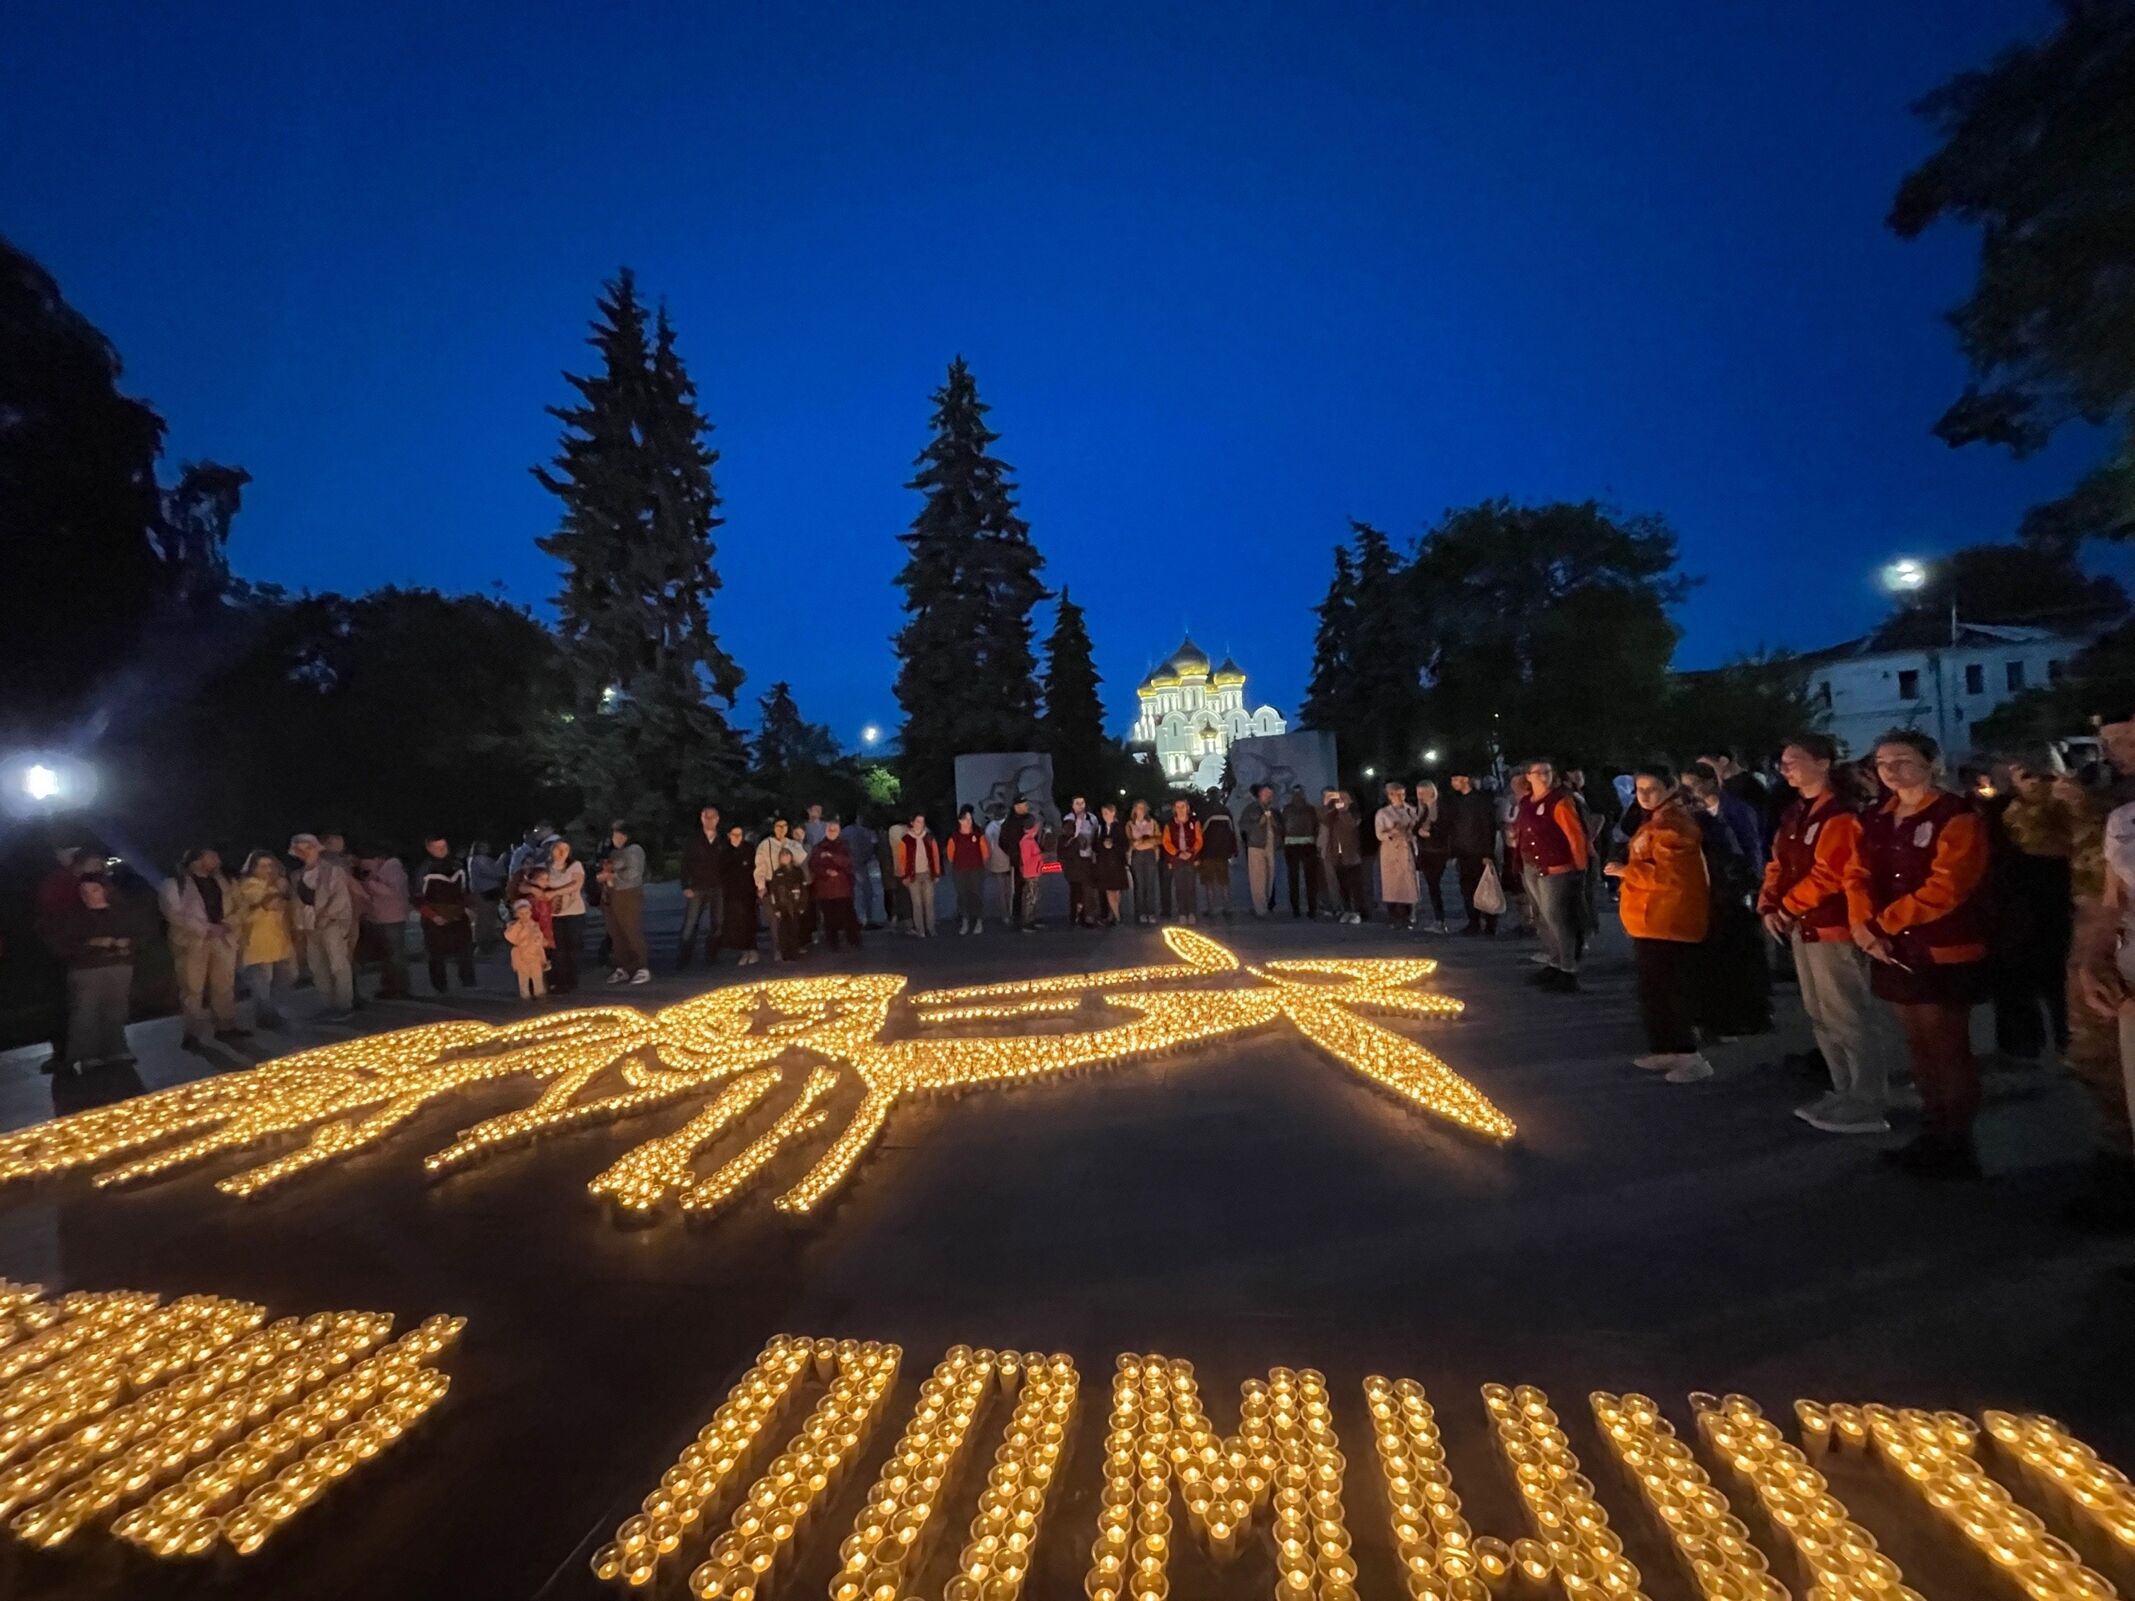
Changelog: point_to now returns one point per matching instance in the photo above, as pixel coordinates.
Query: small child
(530, 957)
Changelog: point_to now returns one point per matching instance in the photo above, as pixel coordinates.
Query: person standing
(830, 873)
(1260, 825)
(384, 885)
(1341, 846)
(1471, 835)
(1078, 861)
(200, 905)
(266, 941)
(1432, 851)
(326, 912)
(1015, 827)
(1913, 895)
(441, 901)
(860, 844)
(737, 898)
(565, 886)
(1219, 849)
(919, 868)
(2033, 836)
(1145, 844)
(1395, 829)
(1300, 851)
(1553, 853)
(1803, 905)
(530, 953)
(57, 897)
(1735, 995)
(1665, 904)
(814, 828)
(900, 908)
(781, 884)
(1182, 849)
(623, 905)
(967, 855)
(703, 857)
(96, 939)
(1000, 876)
(485, 883)
(1112, 852)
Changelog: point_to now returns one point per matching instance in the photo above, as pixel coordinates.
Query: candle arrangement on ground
(194, 1425)
(738, 1045)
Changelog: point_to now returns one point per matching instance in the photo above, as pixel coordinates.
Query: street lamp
(1371, 772)
(1431, 755)
(40, 783)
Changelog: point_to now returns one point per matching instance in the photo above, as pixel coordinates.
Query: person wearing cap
(623, 905)
(326, 913)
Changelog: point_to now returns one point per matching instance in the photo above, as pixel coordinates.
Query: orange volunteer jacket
(1665, 893)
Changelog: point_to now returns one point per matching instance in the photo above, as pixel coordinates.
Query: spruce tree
(634, 473)
(966, 678)
(1074, 715)
(1330, 692)
(1383, 657)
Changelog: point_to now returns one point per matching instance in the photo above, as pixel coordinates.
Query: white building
(1190, 713)
(1921, 671)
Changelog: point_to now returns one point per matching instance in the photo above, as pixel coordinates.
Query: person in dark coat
(1735, 989)
(446, 907)
(737, 897)
(702, 876)
(1219, 848)
(1469, 829)
(830, 872)
(1111, 861)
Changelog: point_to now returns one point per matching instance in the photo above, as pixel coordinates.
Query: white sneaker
(1439, 927)
(1845, 1116)
(618, 977)
(978, 925)
(748, 959)
(641, 976)
(1657, 1062)
(1689, 1069)
(1540, 958)
(1810, 1111)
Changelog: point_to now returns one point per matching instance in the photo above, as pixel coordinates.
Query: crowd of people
(1896, 898)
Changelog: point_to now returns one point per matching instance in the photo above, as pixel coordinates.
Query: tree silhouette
(1074, 714)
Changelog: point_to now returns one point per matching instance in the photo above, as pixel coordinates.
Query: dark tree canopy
(79, 503)
(1074, 714)
(2098, 686)
(966, 674)
(1329, 698)
(634, 475)
(2037, 149)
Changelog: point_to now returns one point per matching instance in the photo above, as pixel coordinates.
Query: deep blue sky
(1229, 274)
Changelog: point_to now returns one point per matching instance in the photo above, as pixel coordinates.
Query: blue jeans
(1142, 866)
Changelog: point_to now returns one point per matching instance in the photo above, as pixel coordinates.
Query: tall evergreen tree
(1383, 662)
(1074, 714)
(634, 474)
(1329, 694)
(966, 678)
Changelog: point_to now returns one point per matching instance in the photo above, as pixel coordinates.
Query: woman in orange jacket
(1666, 904)
(1182, 844)
(1913, 895)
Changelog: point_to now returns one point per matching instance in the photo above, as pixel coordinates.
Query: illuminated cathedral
(1190, 713)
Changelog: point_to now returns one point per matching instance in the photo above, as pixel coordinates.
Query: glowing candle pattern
(2063, 1464)
(1285, 1454)
(1842, 1556)
(1441, 1558)
(1712, 1544)
(190, 1425)
(600, 1064)
(1584, 1552)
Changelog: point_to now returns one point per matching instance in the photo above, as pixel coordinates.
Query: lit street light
(1371, 772)
(1431, 755)
(40, 783)
(34, 785)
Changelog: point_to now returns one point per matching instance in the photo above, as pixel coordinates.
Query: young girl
(1143, 845)
(530, 957)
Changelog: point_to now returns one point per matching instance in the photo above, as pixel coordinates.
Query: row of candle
(330, 1431)
(1842, 1558)
(890, 1531)
(1712, 1543)
(64, 1394)
(995, 1560)
(2063, 1464)
(1586, 1554)
(709, 1195)
(117, 1395)
(797, 1480)
(648, 1176)
(1931, 1452)
(712, 1461)
(1441, 1557)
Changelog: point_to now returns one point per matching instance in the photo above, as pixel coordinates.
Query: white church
(1191, 712)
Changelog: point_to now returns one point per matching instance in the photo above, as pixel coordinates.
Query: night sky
(1228, 275)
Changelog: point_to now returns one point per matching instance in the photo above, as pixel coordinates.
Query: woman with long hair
(1666, 906)
(1913, 897)
(1144, 842)
(564, 886)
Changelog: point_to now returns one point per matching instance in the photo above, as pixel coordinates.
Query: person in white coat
(1395, 826)
(200, 905)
